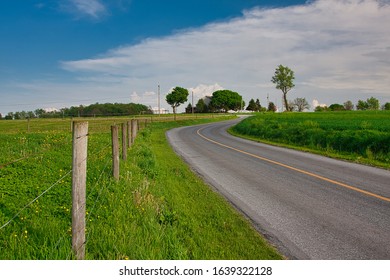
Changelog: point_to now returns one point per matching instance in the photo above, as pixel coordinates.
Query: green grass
(360, 136)
(159, 209)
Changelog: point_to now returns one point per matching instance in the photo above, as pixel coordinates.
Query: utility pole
(267, 100)
(192, 102)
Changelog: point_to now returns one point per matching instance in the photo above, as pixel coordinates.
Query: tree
(272, 107)
(321, 109)
(177, 97)
(348, 105)
(258, 105)
(201, 106)
(189, 108)
(9, 116)
(30, 115)
(252, 105)
(290, 106)
(362, 105)
(373, 103)
(301, 104)
(283, 79)
(336, 107)
(225, 100)
(39, 113)
(386, 106)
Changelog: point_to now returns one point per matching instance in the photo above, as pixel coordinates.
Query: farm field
(360, 136)
(159, 209)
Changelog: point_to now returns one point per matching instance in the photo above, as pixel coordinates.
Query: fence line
(128, 132)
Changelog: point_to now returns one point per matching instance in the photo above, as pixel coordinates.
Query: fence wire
(35, 199)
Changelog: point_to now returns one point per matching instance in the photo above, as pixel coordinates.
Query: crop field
(361, 136)
(158, 209)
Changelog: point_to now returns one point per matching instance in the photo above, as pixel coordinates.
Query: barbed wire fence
(79, 178)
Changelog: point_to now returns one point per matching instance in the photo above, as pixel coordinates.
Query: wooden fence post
(79, 177)
(129, 134)
(124, 141)
(134, 129)
(115, 152)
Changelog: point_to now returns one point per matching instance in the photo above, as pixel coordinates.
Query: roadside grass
(159, 209)
(167, 212)
(359, 136)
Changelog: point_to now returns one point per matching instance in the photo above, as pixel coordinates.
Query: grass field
(361, 136)
(159, 209)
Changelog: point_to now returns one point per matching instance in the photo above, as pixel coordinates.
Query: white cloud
(90, 8)
(337, 48)
(316, 103)
(51, 109)
(202, 90)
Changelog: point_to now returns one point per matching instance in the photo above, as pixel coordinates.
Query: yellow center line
(296, 169)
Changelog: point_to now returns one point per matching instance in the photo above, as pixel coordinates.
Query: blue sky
(59, 53)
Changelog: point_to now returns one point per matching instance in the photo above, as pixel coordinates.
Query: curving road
(308, 206)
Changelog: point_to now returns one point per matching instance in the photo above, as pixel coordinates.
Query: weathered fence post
(115, 152)
(129, 134)
(134, 129)
(124, 141)
(79, 177)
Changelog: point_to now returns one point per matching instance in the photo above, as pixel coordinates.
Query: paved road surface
(310, 207)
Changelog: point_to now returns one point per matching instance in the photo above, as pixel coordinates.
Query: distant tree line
(371, 103)
(93, 110)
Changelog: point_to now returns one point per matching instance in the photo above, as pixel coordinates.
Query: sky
(62, 53)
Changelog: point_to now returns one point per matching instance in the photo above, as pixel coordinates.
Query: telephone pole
(192, 102)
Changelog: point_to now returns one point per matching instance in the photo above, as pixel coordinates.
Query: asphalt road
(308, 206)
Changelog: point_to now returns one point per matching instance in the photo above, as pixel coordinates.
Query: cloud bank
(338, 49)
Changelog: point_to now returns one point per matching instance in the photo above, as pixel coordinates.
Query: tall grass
(159, 209)
(361, 136)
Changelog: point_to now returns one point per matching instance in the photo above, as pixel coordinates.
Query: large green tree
(177, 97)
(225, 100)
(371, 104)
(284, 80)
